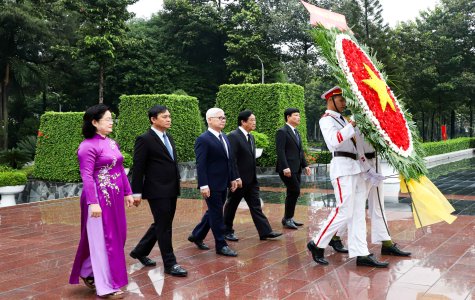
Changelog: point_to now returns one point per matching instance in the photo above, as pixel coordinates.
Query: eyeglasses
(220, 118)
(107, 120)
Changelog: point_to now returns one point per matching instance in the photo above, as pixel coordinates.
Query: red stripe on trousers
(336, 212)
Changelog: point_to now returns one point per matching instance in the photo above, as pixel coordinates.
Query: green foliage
(434, 148)
(187, 124)
(248, 43)
(5, 168)
(56, 151)
(28, 170)
(14, 158)
(128, 159)
(262, 140)
(28, 146)
(267, 102)
(12, 178)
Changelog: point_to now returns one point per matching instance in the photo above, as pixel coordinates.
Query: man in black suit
(244, 149)
(156, 177)
(215, 170)
(290, 162)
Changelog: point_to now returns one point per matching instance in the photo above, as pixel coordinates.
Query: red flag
(326, 18)
(443, 129)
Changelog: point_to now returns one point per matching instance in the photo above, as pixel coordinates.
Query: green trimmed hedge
(435, 148)
(59, 136)
(268, 102)
(187, 123)
(12, 178)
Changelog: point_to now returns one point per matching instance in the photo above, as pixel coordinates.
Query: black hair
(155, 111)
(244, 116)
(95, 112)
(289, 111)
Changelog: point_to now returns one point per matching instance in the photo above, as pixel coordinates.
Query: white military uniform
(348, 184)
(379, 231)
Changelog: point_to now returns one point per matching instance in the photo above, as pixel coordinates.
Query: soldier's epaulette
(324, 115)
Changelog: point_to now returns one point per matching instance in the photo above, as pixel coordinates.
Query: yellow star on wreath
(380, 87)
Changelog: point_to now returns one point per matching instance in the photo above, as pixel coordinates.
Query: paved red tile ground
(38, 243)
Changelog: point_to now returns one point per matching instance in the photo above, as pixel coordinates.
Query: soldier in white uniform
(379, 227)
(348, 183)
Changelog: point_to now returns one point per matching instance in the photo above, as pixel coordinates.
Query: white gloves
(373, 177)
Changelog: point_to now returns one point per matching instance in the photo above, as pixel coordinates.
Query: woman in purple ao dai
(100, 258)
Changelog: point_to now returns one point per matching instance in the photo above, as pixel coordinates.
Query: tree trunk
(366, 19)
(4, 108)
(423, 127)
(471, 120)
(432, 127)
(452, 124)
(101, 83)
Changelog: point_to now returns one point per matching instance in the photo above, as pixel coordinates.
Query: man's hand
(307, 171)
(234, 185)
(239, 183)
(96, 211)
(137, 201)
(353, 122)
(287, 172)
(129, 200)
(205, 193)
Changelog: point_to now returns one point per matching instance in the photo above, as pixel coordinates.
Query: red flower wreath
(379, 103)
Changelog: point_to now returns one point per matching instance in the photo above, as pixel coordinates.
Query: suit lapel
(292, 135)
(244, 140)
(159, 141)
(218, 142)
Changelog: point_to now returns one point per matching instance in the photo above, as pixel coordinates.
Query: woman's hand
(129, 200)
(96, 211)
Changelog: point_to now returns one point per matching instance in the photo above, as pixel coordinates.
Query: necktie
(343, 119)
(249, 140)
(222, 143)
(297, 136)
(167, 144)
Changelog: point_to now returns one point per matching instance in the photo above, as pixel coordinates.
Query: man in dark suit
(215, 170)
(290, 162)
(244, 149)
(156, 177)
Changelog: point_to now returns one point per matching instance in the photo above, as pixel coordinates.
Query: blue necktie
(167, 144)
(297, 136)
(222, 142)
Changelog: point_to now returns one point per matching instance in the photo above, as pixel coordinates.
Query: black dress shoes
(200, 244)
(317, 253)
(289, 223)
(338, 246)
(176, 270)
(226, 251)
(297, 223)
(394, 250)
(270, 235)
(370, 261)
(145, 260)
(231, 237)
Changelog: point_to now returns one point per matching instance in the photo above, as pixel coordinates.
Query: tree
(248, 43)
(102, 31)
(25, 44)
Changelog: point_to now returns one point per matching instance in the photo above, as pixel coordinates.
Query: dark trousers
(250, 193)
(293, 192)
(213, 218)
(163, 211)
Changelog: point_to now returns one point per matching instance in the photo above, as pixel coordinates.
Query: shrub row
(268, 102)
(435, 148)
